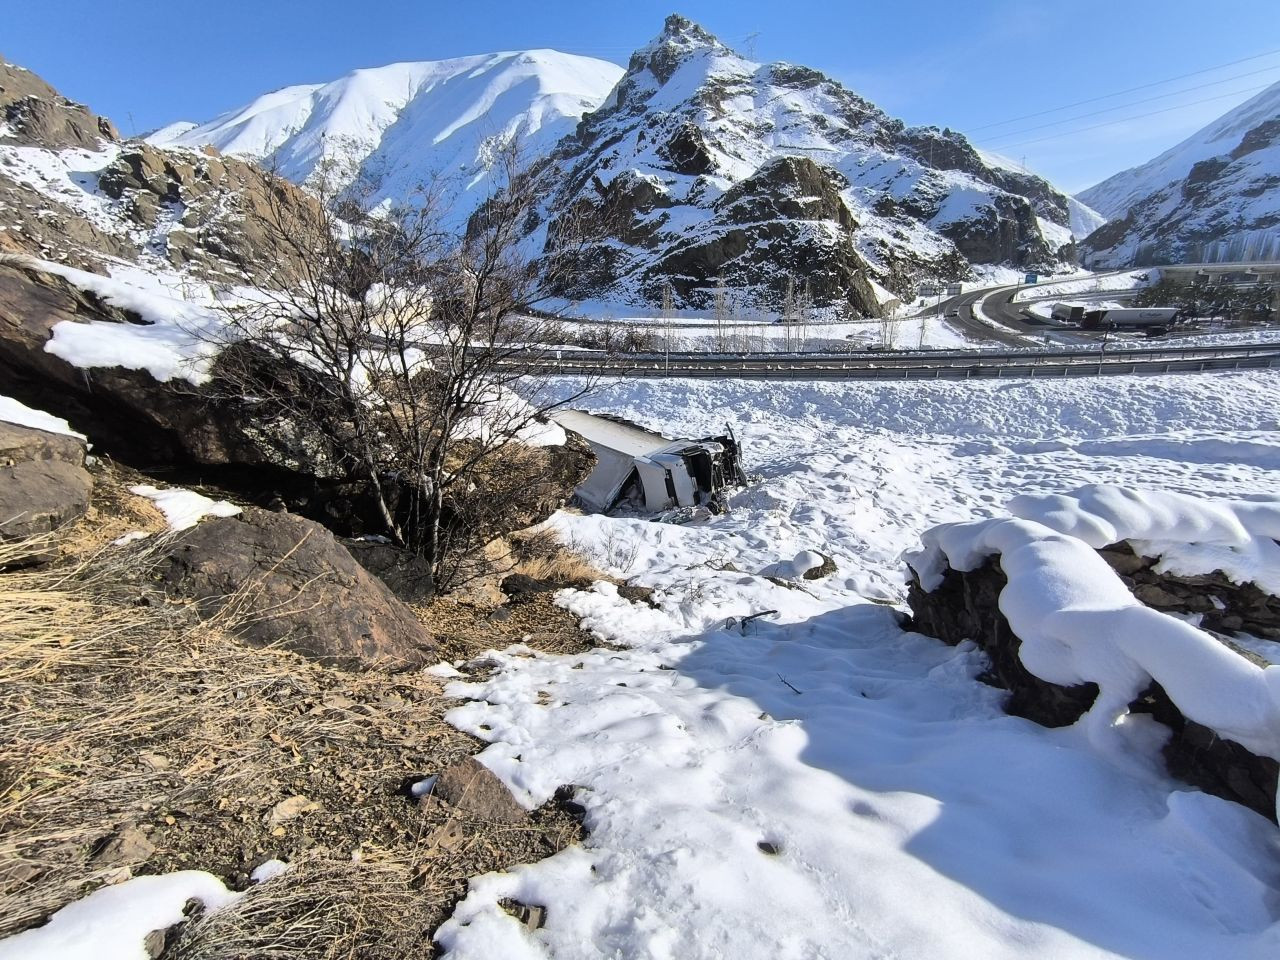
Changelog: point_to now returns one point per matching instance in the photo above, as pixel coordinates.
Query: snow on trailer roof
(614, 434)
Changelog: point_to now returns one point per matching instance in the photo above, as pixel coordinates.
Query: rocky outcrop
(43, 483)
(965, 606)
(196, 209)
(278, 580)
(35, 113)
(1004, 231)
(228, 215)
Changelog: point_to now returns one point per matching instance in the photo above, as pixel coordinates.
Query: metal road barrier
(927, 365)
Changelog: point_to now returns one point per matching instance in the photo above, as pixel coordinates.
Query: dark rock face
(1225, 607)
(789, 188)
(1005, 234)
(406, 575)
(966, 606)
(129, 413)
(308, 593)
(43, 483)
(687, 151)
(1198, 756)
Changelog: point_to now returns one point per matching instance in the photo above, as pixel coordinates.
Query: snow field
(901, 813)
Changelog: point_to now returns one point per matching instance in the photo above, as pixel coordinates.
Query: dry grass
(121, 708)
(539, 552)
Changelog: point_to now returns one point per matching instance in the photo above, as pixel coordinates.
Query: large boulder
(129, 414)
(284, 581)
(19, 444)
(43, 483)
(965, 606)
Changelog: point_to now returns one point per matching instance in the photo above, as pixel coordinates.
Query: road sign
(955, 289)
(1031, 278)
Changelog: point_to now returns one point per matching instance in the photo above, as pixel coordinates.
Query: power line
(1118, 93)
(1134, 103)
(1140, 116)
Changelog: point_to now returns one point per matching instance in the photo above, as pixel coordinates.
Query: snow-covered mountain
(1215, 195)
(707, 166)
(407, 122)
(697, 156)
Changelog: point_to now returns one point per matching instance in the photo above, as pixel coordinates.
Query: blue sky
(967, 65)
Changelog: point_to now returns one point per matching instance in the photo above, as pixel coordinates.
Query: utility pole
(749, 44)
(668, 311)
(721, 314)
(806, 302)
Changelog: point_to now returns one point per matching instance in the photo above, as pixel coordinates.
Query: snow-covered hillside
(818, 782)
(705, 164)
(406, 122)
(1216, 195)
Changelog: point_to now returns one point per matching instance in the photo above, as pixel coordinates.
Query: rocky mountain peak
(679, 39)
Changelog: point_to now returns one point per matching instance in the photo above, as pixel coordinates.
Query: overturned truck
(654, 471)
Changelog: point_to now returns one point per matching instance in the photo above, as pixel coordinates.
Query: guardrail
(926, 357)
(794, 370)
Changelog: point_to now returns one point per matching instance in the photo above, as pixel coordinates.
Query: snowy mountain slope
(704, 164)
(1082, 218)
(1214, 196)
(406, 122)
(1114, 196)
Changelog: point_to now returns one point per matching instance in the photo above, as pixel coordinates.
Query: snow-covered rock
(1215, 196)
(1067, 634)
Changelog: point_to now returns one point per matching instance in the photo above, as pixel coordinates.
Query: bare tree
(399, 333)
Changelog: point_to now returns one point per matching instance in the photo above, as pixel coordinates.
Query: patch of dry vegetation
(139, 739)
(540, 553)
(471, 621)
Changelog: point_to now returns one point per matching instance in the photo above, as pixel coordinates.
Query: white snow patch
(185, 508)
(12, 411)
(111, 923)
